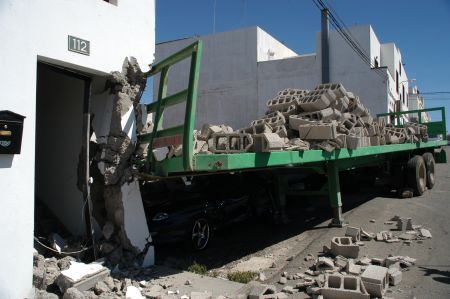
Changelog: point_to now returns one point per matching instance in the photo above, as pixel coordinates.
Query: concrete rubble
(339, 272)
(326, 118)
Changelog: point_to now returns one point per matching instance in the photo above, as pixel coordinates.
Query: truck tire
(429, 165)
(416, 175)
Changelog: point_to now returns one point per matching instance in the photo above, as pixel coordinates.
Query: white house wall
(298, 72)
(38, 30)
(228, 79)
(270, 48)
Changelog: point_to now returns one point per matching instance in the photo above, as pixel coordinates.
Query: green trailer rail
(328, 163)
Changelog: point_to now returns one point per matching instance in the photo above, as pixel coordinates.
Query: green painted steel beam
(231, 162)
(171, 100)
(173, 59)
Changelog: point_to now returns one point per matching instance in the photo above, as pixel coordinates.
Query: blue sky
(421, 29)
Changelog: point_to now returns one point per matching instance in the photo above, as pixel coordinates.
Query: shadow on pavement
(444, 275)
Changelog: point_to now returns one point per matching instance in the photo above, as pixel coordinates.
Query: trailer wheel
(416, 175)
(429, 165)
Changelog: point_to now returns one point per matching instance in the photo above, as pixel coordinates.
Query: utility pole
(325, 47)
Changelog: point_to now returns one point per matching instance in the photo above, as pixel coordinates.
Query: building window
(396, 80)
(376, 62)
(400, 67)
(113, 2)
(403, 94)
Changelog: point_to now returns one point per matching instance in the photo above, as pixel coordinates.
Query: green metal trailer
(328, 163)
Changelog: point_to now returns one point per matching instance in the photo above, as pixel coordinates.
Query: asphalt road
(308, 232)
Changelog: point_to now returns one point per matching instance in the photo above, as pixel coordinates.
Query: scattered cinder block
(404, 224)
(374, 140)
(375, 280)
(281, 102)
(395, 276)
(345, 247)
(257, 129)
(343, 286)
(337, 88)
(354, 233)
(318, 132)
(208, 130)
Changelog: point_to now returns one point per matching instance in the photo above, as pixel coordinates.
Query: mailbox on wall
(11, 127)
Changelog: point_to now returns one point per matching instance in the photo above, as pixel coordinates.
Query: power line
(339, 25)
(436, 92)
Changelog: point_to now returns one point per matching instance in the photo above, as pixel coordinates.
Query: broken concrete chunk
(133, 293)
(73, 293)
(395, 276)
(324, 263)
(81, 276)
(425, 233)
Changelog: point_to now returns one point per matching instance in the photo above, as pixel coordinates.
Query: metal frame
(181, 134)
(435, 128)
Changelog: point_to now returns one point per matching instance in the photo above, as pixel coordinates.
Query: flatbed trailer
(327, 163)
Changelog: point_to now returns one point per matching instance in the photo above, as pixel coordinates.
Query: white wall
(270, 48)
(38, 30)
(227, 87)
(301, 72)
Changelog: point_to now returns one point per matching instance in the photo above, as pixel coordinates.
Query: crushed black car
(191, 210)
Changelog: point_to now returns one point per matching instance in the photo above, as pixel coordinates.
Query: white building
(242, 69)
(36, 47)
(416, 101)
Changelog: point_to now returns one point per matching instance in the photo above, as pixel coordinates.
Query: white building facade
(242, 69)
(89, 38)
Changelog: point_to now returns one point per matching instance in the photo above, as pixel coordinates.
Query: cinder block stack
(327, 118)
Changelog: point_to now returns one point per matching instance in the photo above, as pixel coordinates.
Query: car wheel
(200, 234)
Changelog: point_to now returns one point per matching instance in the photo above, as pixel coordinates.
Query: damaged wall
(116, 196)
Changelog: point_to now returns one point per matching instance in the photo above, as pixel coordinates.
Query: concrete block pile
(326, 118)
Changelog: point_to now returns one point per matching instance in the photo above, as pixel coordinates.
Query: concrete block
(374, 140)
(367, 119)
(318, 132)
(341, 104)
(395, 276)
(343, 287)
(81, 276)
(208, 130)
(231, 142)
(261, 290)
(274, 121)
(341, 139)
(281, 131)
(293, 91)
(329, 114)
(404, 224)
(354, 233)
(267, 142)
(282, 102)
(337, 88)
(375, 280)
(354, 142)
(345, 247)
(257, 129)
(314, 102)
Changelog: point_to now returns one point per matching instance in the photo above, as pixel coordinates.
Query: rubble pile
(340, 272)
(326, 118)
